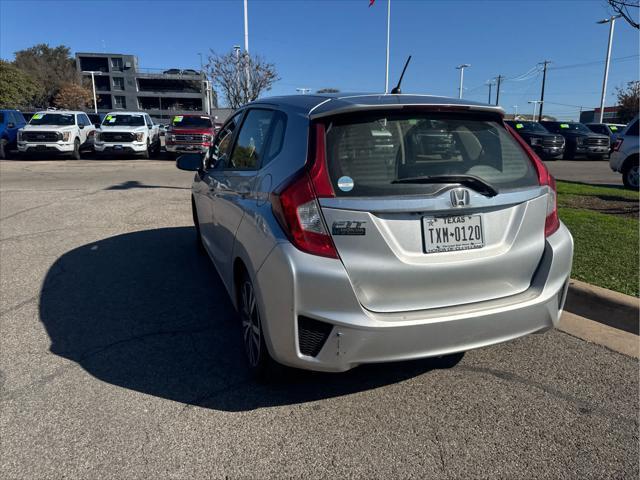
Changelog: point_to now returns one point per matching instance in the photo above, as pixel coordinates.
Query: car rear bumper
(291, 284)
(25, 147)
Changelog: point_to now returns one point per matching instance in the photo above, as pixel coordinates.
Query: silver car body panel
(387, 299)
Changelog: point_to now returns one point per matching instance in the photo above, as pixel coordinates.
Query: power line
(595, 62)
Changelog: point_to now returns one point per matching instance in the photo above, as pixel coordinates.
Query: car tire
(630, 174)
(75, 155)
(4, 149)
(196, 223)
(261, 365)
(145, 154)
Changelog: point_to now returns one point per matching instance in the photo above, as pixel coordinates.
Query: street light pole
(461, 68)
(386, 74)
(611, 21)
(93, 84)
(535, 104)
(515, 113)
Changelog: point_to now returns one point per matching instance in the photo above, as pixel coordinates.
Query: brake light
(295, 204)
(618, 144)
(552, 222)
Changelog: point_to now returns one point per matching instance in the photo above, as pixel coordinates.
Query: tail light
(552, 222)
(295, 204)
(618, 144)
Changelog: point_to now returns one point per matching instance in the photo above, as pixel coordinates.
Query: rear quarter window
(367, 154)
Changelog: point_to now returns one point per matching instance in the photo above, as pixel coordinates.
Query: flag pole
(386, 76)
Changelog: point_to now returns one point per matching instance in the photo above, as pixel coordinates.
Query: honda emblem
(459, 197)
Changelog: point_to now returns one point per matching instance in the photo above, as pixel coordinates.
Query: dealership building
(121, 85)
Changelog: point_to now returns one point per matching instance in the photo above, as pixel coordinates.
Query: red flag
(371, 2)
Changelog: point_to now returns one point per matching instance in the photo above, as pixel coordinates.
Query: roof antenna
(397, 90)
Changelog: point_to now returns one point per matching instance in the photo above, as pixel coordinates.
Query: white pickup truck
(57, 131)
(128, 132)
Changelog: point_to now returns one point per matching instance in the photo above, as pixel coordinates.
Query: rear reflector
(618, 144)
(312, 335)
(552, 222)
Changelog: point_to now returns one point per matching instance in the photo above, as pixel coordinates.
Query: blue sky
(341, 43)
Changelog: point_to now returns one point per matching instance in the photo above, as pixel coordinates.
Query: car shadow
(131, 184)
(145, 311)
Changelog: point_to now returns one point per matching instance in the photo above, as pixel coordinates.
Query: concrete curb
(604, 306)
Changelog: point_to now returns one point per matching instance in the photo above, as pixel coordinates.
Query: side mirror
(191, 162)
(80, 127)
(150, 127)
(11, 125)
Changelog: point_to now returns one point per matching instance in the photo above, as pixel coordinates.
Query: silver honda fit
(374, 228)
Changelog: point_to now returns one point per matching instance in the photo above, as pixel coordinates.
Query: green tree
(17, 89)
(51, 67)
(628, 100)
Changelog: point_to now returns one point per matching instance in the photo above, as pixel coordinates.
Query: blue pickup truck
(10, 122)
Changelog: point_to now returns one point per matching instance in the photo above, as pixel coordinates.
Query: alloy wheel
(250, 323)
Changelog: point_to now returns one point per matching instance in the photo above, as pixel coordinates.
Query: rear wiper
(476, 183)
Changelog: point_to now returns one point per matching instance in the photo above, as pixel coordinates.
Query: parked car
(190, 71)
(57, 131)
(96, 118)
(162, 129)
(339, 249)
(579, 140)
(172, 71)
(547, 145)
(128, 132)
(624, 158)
(611, 130)
(189, 133)
(10, 122)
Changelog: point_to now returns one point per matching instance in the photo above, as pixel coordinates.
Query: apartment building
(122, 85)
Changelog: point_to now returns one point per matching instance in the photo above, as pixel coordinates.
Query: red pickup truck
(189, 133)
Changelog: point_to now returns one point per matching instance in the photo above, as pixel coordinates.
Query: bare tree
(628, 100)
(621, 7)
(240, 76)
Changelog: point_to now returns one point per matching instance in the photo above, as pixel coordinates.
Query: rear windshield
(128, 120)
(52, 119)
(366, 155)
(191, 122)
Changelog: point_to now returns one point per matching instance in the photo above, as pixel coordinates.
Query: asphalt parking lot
(120, 357)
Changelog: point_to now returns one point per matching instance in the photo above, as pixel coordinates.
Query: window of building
(118, 83)
(116, 64)
(119, 101)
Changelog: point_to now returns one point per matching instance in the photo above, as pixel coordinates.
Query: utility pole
(515, 113)
(490, 84)
(612, 22)
(544, 80)
(246, 44)
(499, 78)
(386, 75)
(461, 68)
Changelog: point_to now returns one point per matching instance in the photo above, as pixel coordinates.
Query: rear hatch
(432, 208)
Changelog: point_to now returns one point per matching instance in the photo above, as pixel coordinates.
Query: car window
(149, 121)
(87, 120)
(222, 145)
(276, 138)
(247, 154)
(19, 117)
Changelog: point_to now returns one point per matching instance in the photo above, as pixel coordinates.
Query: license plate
(41, 147)
(448, 234)
(117, 147)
